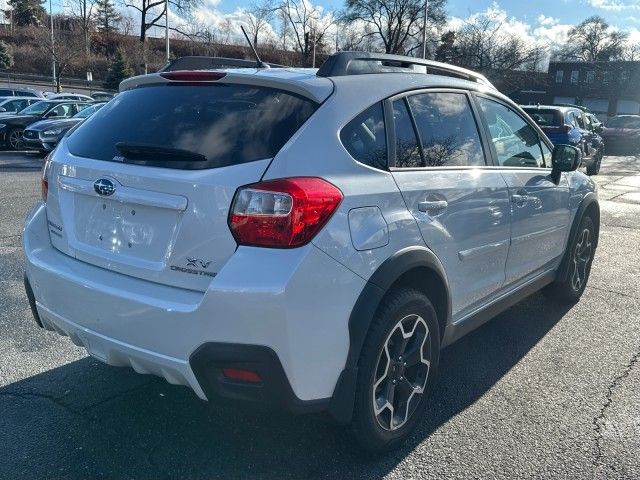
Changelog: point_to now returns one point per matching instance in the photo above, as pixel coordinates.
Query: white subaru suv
(305, 238)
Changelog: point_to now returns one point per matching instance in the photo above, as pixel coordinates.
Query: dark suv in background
(571, 126)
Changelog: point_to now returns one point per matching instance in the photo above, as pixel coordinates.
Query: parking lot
(541, 391)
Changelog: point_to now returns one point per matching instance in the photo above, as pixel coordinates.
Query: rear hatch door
(144, 186)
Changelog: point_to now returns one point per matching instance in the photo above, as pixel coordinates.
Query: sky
(544, 22)
(622, 13)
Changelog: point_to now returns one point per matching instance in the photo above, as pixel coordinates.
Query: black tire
(594, 168)
(580, 259)
(15, 133)
(409, 306)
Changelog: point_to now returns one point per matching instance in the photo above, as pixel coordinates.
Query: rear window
(545, 118)
(222, 124)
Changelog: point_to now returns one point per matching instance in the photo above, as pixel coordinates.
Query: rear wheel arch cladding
(407, 267)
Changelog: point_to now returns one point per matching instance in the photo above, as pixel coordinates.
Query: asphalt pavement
(541, 391)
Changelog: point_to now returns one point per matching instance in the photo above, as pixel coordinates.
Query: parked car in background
(19, 92)
(622, 134)
(44, 135)
(103, 96)
(71, 96)
(15, 104)
(570, 126)
(12, 126)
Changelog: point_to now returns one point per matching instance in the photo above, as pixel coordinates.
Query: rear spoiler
(211, 63)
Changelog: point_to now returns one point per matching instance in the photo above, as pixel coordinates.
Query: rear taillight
(283, 213)
(44, 178)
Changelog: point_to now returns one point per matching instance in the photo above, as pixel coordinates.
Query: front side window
(364, 137)
(516, 142)
(447, 129)
(407, 149)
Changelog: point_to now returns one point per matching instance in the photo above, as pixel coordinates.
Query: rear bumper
(293, 303)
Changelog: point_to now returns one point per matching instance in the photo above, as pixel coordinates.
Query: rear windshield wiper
(150, 154)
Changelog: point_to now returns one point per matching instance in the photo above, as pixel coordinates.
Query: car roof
(304, 81)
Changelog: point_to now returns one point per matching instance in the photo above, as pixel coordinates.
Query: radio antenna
(259, 63)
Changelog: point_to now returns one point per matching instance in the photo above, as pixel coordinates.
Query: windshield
(624, 122)
(228, 124)
(37, 108)
(87, 112)
(545, 118)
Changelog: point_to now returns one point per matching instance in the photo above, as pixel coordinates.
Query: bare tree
(67, 48)
(308, 25)
(594, 40)
(258, 17)
(397, 23)
(226, 29)
(151, 12)
(83, 11)
(483, 44)
(631, 52)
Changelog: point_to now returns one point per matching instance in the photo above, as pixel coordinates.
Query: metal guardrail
(9, 78)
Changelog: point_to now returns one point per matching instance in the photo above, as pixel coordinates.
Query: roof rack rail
(357, 63)
(210, 63)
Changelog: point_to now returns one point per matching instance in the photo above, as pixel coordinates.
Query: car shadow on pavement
(88, 420)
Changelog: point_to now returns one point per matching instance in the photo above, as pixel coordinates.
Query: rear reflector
(240, 375)
(282, 213)
(44, 178)
(193, 75)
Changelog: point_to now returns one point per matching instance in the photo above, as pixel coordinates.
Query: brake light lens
(193, 75)
(241, 375)
(282, 213)
(44, 178)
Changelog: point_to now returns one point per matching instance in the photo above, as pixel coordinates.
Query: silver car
(307, 238)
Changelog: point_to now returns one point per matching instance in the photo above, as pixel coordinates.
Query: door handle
(427, 205)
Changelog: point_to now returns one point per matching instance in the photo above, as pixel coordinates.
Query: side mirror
(599, 128)
(2, 109)
(565, 158)
(52, 114)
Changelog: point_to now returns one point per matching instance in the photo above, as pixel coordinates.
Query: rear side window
(217, 125)
(407, 150)
(447, 129)
(364, 137)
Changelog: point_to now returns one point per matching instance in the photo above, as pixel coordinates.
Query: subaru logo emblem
(104, 186)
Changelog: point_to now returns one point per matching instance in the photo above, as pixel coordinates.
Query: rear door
(460, 204)
(143, 187)
(539, 207)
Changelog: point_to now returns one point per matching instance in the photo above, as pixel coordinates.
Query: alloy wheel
(15, 139)
(401, 372)
(581, 259)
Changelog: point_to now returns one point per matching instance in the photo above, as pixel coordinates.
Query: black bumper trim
(210, 358)
(32, 301)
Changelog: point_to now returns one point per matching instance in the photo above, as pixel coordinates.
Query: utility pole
(424, 29)
(53, 54)
(166, 27)
(313, 39)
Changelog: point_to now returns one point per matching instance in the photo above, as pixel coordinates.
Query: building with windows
(605, 88)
